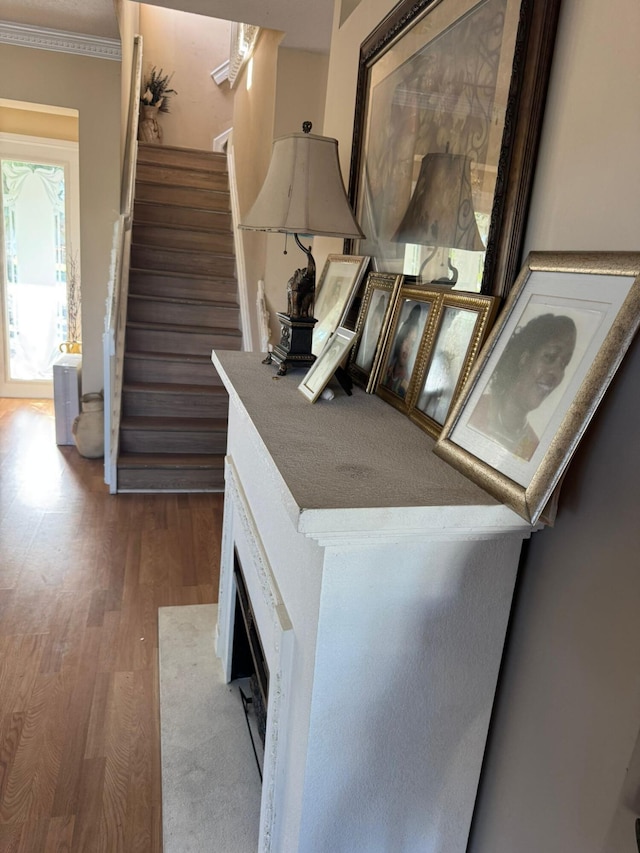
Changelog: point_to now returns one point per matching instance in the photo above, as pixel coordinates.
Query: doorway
(39, 291)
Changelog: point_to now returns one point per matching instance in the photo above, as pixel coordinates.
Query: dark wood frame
(530, 76)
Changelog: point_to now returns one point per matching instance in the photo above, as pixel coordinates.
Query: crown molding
(41, 38)
(221, 73)
(243, 41)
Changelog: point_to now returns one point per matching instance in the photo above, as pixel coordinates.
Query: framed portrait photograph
(372, 326)
(546, 365)
(449, 105)
(335, 290)
(411, 321)
(462, 324)
(323, 368)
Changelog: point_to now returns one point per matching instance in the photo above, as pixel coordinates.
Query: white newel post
(381, 582)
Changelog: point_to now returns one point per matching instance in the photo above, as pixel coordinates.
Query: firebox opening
(249, 670)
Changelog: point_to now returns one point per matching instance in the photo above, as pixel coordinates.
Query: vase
(88, 427)
(149, 130)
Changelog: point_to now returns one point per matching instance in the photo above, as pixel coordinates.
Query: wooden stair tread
(152, 146)
(152, 154)
(196, 198)
(171, 460)
(137, 422)
(188, 358)
(181, 252)
(173, 388)
(185, 300)
(141, 224)
(195, 276)
(194, 330)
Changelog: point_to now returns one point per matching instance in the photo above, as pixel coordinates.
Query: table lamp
(440, 213)
(303, 194)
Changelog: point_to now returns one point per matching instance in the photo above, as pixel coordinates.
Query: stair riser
(174, 405)
(168, 176)
(181, 314)
(152, 370)
(152, 340)
(181, 217)
(170, 481)
(158, 441)
(176, 238)
(203, 263)
(185, 159)
(182, 196)
(150, 283)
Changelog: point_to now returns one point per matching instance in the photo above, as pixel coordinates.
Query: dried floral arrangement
(73, 297)
(156, 90)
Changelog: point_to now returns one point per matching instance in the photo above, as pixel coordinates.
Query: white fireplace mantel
(381, 581)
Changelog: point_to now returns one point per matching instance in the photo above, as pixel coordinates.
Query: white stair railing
(116, 307)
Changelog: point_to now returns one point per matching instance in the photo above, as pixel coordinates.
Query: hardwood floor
(82, 574)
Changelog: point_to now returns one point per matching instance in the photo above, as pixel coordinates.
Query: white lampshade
(303, 192)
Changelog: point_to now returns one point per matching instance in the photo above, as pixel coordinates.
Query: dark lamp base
(294, 349)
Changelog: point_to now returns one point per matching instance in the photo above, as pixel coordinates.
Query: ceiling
(89, 17)
(307, 23)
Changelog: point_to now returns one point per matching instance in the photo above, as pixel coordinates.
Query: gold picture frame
(372, 326)
(563, 332)
(462, 323)
(410, 330)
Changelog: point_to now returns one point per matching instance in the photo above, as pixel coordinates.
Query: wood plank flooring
(82, 574)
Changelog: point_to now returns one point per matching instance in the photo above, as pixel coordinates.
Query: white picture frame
(335, 290)
(323, 368)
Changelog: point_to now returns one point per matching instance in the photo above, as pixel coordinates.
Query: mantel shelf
(354, 465)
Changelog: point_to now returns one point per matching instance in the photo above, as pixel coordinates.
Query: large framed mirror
(449, 108)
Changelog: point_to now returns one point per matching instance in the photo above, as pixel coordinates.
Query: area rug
(210, 781)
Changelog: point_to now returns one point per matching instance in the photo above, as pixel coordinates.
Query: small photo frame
(462, 324)
(327, 363)
(372, 327)
(411, 322)
(335, 290)
(547, 363)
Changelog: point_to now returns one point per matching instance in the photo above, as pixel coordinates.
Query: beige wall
(569, 709)
(38, 123)
(128, 14)
(91, 86)
(190, 46)
(253, 119)
(341, 89)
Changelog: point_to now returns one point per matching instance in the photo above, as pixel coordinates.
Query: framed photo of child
(566, 325)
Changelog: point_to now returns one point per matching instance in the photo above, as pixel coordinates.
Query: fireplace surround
(380, 581)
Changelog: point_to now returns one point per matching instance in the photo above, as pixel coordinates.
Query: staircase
(182, 303)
